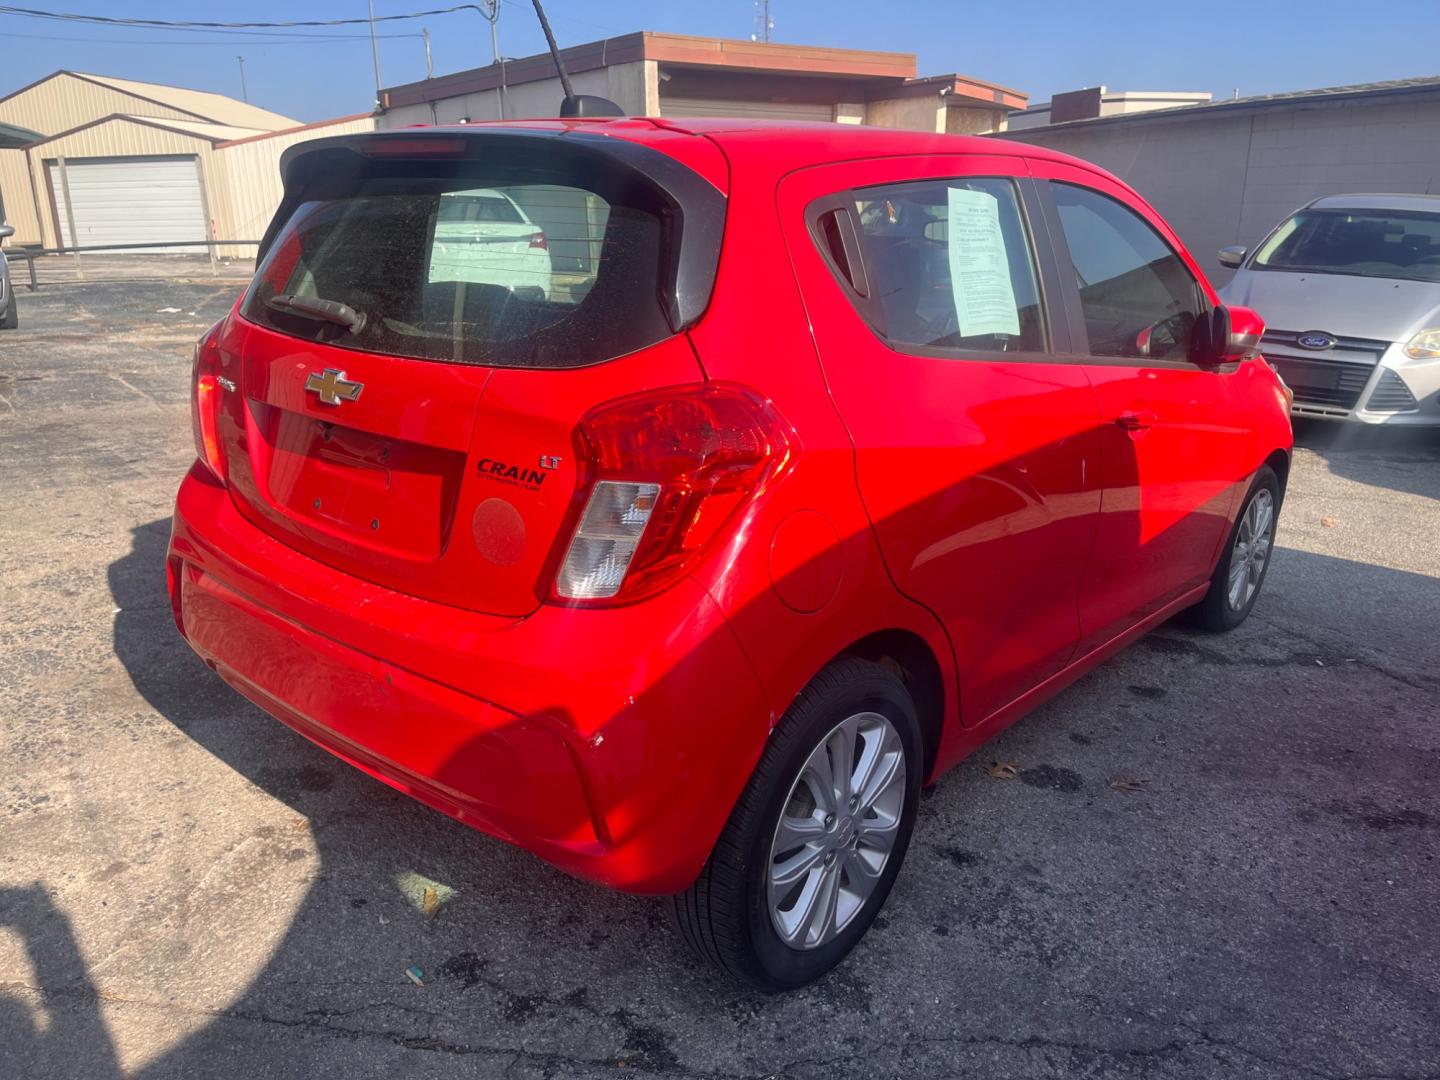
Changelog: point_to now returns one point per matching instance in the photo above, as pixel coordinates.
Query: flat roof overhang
(863, 74)
(14, 137)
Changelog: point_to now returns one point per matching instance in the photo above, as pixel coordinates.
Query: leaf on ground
(430, 903)
(1003, 770)
(1127, 786)
(1328, 522)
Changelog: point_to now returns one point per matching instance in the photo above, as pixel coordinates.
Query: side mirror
(1232, 256)
(1227, 335)
(6, 231)
(937, 232)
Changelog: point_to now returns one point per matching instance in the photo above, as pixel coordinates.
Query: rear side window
(1137, 297)
(950, 265)
(470, 263)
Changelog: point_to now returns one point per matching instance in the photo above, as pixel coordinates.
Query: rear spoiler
(691, 209)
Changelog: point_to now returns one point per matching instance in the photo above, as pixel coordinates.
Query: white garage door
(755, 110)
(131, 201)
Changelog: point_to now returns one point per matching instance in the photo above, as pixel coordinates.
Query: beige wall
(250, 172)
(963, 121)
(634, 87)
(907, 114)
(241, 180)
(18, 197)
(66, 102)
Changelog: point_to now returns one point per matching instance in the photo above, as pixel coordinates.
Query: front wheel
(1242, 568)
(817, 838)
(11, 318)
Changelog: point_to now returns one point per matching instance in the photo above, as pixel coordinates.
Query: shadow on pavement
(1402, 459)
(526, 939)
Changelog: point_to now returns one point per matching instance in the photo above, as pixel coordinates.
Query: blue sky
(1259, 46)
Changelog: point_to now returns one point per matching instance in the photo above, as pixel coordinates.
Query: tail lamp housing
(206, 401)
(665, 475)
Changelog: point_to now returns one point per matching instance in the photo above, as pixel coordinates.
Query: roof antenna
(574, 104)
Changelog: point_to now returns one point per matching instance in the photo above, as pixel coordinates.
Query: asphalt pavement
(1218, 857)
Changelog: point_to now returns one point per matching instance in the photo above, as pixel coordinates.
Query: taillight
(537, 240)
(665, 473)
(207, 392)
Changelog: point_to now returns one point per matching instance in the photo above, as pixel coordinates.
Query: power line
(229, 43)
(191, 24)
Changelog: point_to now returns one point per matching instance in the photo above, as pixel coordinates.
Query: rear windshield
(469, 263)
(1364, 243)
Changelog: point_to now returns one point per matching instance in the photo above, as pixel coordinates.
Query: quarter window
(1137, 297)
(949, 265)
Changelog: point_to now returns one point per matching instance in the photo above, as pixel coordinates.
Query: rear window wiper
(315, 308)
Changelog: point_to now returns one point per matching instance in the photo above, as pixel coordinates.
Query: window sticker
(979, 266)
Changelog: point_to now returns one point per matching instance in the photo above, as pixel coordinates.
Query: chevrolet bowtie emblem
(332, 386)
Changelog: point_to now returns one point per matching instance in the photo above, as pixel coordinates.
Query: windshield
(1363, 243)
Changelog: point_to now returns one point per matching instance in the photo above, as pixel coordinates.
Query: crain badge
(514, 475)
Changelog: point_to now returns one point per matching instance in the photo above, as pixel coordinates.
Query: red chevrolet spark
(674, 499)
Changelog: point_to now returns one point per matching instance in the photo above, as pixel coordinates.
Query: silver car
(9, 313)
(1349, 288)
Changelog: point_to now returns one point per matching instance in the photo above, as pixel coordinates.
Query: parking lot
(1218, 856)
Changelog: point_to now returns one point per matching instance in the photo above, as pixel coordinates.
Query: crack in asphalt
(322, 1021)
(1171, 1049)
(1207, 655)
(319, 1020)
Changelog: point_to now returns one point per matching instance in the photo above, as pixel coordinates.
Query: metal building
(115, 161)
(654, 74)
(1226, 172)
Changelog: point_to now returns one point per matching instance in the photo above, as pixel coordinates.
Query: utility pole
(763, 22)
(374, 50)
(429, 65)
(244, 93)
(491, 12)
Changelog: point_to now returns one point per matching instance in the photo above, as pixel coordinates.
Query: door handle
(1136, 421)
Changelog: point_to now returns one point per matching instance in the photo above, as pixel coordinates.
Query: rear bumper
(611, 743)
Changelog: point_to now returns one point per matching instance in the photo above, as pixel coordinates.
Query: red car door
(1173, 448)
(976, 446)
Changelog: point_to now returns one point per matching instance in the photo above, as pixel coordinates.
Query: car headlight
(1425, 345)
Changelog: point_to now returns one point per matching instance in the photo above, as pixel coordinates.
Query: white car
(1349, 288)
(483, 236)
(9, 315)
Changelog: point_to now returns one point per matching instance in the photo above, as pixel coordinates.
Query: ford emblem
(1316, 339)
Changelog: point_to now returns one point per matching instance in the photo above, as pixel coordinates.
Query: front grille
(1391, 395)
(1322, 382)
(1334, 379)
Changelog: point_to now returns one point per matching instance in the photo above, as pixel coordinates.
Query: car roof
(794, 144)
(1427, 204)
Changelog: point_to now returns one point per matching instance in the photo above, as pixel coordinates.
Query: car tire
(1231, 597)
(11, 319)
(737, 913)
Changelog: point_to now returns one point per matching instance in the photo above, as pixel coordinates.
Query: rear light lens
(538, 241)
(206, 401)
(666, 474)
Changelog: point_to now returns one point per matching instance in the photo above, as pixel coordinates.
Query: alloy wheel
(836, 830)
(1252, 549)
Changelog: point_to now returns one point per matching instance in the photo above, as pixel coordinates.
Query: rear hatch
(407, 403)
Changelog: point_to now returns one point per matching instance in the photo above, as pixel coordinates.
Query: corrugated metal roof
(214, 107)
(1418, 84)
(213, 132)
